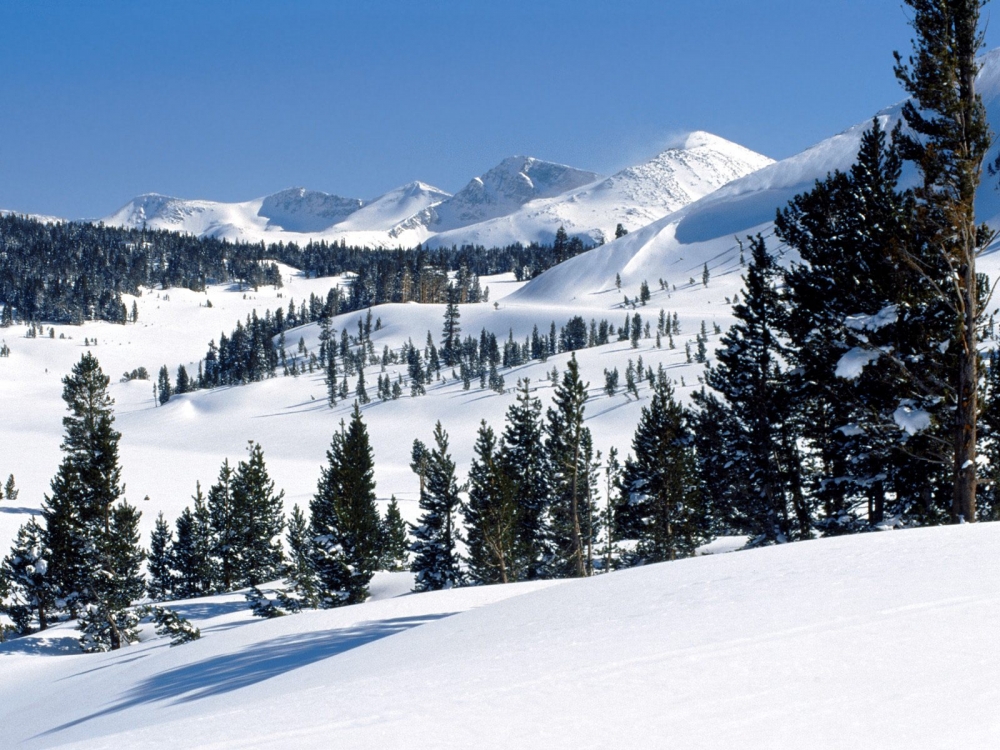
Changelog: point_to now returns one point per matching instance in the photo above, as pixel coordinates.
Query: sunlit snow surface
(863, 641)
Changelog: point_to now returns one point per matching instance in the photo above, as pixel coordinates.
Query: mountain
(678, 246)
(633, 197)
(505, 188)
(295, 214)
(522, 199)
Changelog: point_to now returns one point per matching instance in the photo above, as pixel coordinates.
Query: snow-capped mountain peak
(301, 210)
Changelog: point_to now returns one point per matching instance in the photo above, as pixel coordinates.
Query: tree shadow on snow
(19, 509)
(227, 672)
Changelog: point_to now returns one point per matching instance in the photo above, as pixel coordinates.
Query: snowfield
(865, 641)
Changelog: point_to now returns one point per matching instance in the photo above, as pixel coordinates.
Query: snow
(522, 199)
(763, 649)
(767, 648)
(911, 420)
(851, 364)
(632, 197)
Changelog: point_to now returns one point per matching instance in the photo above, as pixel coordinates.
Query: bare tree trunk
(967, 407)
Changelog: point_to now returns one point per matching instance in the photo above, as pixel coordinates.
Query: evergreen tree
(163, 385)
(395, 552)
(948, 138)
(451, 337)
(31, 594)
(346, 527)
(302, 591)
(763, 464)
(523, 457)
(661, 481)
(258, 521)
(191, 552)
(161, 581)
(491, 519)
(108, 622)
(225, 529)
(857, 322)
(435, 560)
(568, 462)
(10, 491)
(82, 515)
(183, 381)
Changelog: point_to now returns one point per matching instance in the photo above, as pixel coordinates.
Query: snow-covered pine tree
(661, 481)
(947, 138)
(491, 515)
(345, 525)
(523, 456)
(159, 564)
(108, 622)
(435, 560)
(301, 586)
(169, 623)
(395, 549)
(31, 593)
(258, 519)
(858, 319)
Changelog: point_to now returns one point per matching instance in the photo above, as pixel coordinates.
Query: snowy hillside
(704, 232)
(874, 635)
(632, 197)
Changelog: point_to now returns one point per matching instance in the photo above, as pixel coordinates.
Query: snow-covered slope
(877, 640)
(677, 246)
(632, 197)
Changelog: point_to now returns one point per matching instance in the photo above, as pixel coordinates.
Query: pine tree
(491, 519)
(258, 521)
(346, 528)
(661, 481)
(10, 491)
(161, 581)
(763, 462)
(25, 574)
(163, 385)
(435, 560)
(89, 533)
(523, 457)
(183, 381)
(451, 337)
(851, 300)
(565, 448)
(948, 140)
(225, 530)
(108, 622)
(301, 586)
(191, 553)
(395, 552)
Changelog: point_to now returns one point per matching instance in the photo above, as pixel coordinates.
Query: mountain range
(522, 199)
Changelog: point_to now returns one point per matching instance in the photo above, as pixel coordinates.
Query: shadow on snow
(227, 672)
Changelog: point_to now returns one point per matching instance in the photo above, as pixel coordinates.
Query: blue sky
(232, 100)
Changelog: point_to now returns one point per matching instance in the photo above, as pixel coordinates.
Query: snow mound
(761, 649)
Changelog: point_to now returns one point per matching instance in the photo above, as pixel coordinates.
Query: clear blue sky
(225, 100)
